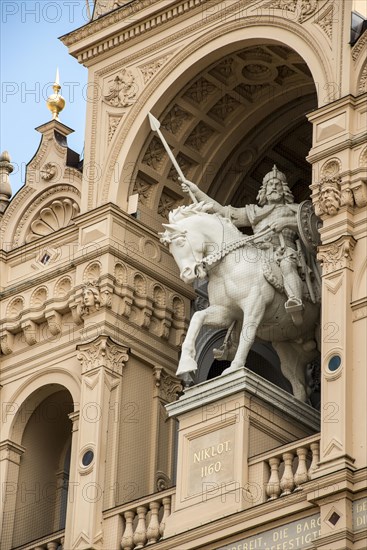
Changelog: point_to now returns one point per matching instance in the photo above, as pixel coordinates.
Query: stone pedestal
(222, 423)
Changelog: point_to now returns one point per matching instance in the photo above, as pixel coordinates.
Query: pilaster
(102, 361)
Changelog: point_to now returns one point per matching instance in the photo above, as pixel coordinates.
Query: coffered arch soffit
(200, 57)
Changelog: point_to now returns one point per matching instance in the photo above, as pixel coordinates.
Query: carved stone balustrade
(144, 521)
(286, 469)
(50, 542)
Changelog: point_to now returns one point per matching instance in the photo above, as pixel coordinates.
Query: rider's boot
(294, 307)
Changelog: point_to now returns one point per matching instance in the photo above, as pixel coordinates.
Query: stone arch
(161, 89)
(35, 389)
(41, 427)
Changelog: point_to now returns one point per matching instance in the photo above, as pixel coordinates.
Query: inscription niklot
(212, 454)
(211, 459)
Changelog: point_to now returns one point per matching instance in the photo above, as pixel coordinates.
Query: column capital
(337, 254)
(102, 352)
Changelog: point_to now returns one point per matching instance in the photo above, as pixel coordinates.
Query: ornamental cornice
(167, 69)
(102, 352)
(337, 255)
(130, 32)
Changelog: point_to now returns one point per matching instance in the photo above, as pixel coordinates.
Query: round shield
(308, 226)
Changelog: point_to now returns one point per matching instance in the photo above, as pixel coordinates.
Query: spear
(155, 126)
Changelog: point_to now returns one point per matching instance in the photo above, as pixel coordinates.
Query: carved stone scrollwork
(123, 90)
(54, 322)
(6, 342)
(55, 216)
(168, 386)
(30, 332)
(102, 352)
(336, 255)
(163, 482)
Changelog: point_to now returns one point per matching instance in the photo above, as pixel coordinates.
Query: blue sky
(30, 53)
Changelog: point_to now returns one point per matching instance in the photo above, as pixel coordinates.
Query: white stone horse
(205, 244)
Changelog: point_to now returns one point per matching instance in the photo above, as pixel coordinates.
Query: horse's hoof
(230, 369)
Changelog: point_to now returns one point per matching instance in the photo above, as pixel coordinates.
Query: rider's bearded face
(274, 191)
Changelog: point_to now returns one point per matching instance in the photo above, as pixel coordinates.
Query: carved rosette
(102, 352)
(337, 255)
(168, 386)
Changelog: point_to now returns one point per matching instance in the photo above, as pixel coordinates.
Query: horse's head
(186, 236)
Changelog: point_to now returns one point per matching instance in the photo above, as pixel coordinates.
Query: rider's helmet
(274, 174)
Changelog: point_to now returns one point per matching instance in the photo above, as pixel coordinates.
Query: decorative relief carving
(6, 342)
(331, 197)
(185, 164)
(166, 203)
(224, 107)
(57, 215)
(39, 297)
(102, 352)
(149, 69)
(336, 255)
(48, 171)
(331, 168)
(175, 119)
(363, 158)
(91, 298)
(113, 122)
(359, 46)
(200, 136)
(30, 331)
(123, 90)
(326, 22)
(303, 9)
(154, 154)
(62, 287)
(51, 191)
(144, 189)
(120, 273)
(163, 482)
(92, 272)
(15, 307)
(252, 92)
(224, 70)
(200, 90)
(362, 84)
(169, 386)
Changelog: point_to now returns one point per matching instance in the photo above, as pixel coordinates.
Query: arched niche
(168, 88)
(41, 478)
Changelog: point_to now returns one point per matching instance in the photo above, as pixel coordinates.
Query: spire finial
(55, 101)
(6, 168)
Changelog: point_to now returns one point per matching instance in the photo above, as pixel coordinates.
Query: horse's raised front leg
(253, 311)
(214, 315)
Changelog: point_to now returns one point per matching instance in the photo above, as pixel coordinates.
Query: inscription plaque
(211, 460)
(360, 514)
(297, 535)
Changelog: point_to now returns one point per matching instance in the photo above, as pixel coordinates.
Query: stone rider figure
(278, 211)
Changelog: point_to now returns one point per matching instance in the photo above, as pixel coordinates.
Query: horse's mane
(192, 209)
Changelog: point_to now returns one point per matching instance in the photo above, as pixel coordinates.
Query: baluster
(273, 486)
(166, 501)
(153, 527)
(140, 535)
(315, 458)
(287, 481)
(62, 540)
(301, 475)
(127, 538)
(52, 545)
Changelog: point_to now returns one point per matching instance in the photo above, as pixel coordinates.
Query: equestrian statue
(265, 286)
